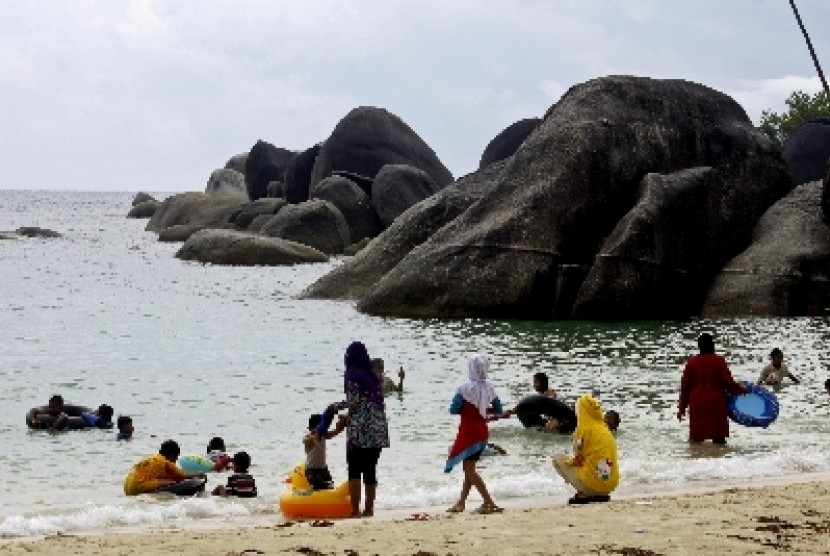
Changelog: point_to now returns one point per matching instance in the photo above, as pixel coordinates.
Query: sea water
(107, 314)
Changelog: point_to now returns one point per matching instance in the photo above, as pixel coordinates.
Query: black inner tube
(535, 410)
(187, 487)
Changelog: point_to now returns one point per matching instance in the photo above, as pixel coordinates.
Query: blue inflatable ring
(756, 408)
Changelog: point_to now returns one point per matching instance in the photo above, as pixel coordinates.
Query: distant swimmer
(776, 371)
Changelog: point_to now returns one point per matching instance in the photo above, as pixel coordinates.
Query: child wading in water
(241, 483)
(471, 401)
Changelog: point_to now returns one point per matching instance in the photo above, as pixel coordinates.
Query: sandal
(488, 510)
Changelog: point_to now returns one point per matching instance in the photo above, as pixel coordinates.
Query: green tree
(802, 107)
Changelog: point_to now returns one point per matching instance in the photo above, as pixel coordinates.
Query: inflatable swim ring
(756, 408)
(187, 487)
(75, 421)
(195, 464)
(536, 409)
(299, 501)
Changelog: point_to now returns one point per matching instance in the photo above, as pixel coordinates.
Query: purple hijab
(360, 374)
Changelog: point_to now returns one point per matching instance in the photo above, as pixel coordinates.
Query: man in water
(774, 373)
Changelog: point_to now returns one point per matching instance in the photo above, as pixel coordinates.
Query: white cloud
(163, 92)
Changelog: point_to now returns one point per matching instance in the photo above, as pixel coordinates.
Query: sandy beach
(792, 517)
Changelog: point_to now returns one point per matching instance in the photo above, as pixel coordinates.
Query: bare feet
(456, 508)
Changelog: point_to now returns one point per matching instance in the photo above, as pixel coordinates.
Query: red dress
(703, 387)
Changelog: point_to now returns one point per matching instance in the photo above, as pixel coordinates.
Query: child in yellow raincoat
(593, 469)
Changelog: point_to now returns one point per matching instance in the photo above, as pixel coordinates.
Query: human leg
(370, 481)
(472, 477)
(353, 463)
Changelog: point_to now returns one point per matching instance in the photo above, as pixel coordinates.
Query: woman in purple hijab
(367, 431)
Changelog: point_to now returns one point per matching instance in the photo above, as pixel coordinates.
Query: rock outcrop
(397, 187)
(228, 183)
(316, 223)
(807, 150)
(194, 208)
(786, 269)
(369, 138)
(507, 142)
(352, 279)
(229, 247)
(565, 190)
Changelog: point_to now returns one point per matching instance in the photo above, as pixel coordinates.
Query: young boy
(316, 470)
(50, 416)
(241, 483)
(125, 427)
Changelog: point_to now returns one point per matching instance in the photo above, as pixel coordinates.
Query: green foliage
(802, 107)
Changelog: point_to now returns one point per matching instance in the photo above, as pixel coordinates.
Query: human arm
(342, 421)
(456, 404)
(685, 390)
(789, 374)
(401, 375)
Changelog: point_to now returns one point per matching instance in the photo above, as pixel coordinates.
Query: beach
(792, 517)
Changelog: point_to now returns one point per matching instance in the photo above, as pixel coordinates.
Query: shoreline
(787, 513)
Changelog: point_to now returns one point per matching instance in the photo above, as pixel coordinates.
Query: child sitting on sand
(316, 470)
(240, 483)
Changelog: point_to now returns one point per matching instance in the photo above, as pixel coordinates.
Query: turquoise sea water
(107, 314)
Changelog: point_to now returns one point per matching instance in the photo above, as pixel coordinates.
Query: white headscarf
(478, 391)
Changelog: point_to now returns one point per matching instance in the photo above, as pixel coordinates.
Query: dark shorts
(319, 479)
(363, 462)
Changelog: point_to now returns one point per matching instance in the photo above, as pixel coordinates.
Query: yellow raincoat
(595, 446)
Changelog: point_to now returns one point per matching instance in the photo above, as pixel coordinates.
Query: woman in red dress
(703, 388)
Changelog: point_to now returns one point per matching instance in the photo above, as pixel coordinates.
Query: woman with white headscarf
(472, 401)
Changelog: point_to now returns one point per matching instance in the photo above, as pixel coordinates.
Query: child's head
(313, 421)
(612, 419)
(777, 357)
(105, 412)
(56, 403)
(241, 462)
(827, 385)
(216, 443)
(540, 382)
(125, 424)
(170, 450)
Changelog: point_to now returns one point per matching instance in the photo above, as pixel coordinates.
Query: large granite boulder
(208, 211)
(265, 163)
(179, 233)
(316, 223)
(369, 138)
(142, 197)
(250, 211)
(237, 162)
(352, 279)
(505, 143)
(397, 187)
(230, 247)
(227, 182)
(298, 175)
(352, 202)
(807, 150)
(566, 189)
(144, 209)
(786, 269)
(652, 261)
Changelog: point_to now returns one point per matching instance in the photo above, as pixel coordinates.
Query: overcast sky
(150, 95)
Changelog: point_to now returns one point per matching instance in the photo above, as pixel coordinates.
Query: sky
(144, 95)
